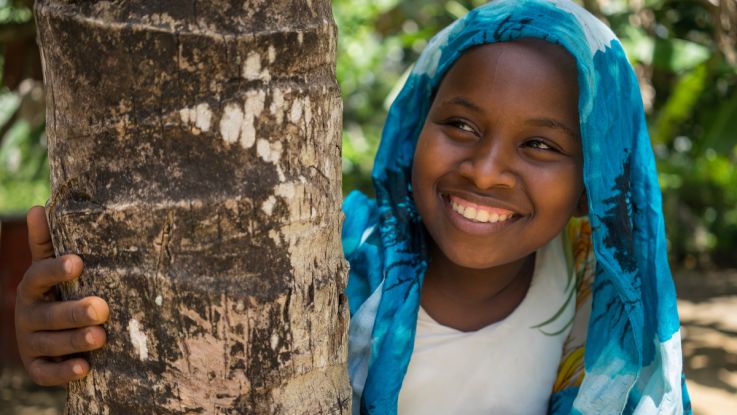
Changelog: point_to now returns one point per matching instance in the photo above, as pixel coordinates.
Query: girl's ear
(582, 209)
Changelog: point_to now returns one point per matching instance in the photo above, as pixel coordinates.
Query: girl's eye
(461, 125)
(540, 145)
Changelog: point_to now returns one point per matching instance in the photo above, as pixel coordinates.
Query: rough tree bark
(195, 157)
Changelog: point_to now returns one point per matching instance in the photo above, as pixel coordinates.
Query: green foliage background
(689, 84)
(24, 171)
(683, 52)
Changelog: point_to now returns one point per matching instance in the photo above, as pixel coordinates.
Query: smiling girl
(495, 178)
(513, 261)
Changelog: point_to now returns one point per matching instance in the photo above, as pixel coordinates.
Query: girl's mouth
(476, 218)
(479, 213)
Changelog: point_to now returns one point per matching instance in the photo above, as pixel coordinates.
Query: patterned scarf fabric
(623, 354)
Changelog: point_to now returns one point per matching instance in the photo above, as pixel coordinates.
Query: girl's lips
(498, 218)
(496, 213)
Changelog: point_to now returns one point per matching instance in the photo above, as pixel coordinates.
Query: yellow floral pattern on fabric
(582, 265)
(570, 372)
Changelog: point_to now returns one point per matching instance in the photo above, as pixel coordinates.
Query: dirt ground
(707, 304)
(708, 308)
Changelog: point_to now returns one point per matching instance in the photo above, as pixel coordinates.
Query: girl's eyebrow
(464, 103)
(553, 123)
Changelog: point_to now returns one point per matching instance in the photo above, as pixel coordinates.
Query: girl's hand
(48, 330)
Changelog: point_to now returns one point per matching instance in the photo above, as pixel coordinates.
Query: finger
(46, 273)
(45, 344)
(63, 315)
(39, 238)
(47, 373)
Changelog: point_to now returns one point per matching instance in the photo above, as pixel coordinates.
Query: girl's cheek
(427, 150)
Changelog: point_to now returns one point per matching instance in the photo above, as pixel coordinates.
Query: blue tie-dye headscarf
(632, 358)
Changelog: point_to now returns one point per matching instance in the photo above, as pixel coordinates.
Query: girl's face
(497, 169)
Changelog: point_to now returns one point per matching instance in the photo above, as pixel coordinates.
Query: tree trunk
(195, 168)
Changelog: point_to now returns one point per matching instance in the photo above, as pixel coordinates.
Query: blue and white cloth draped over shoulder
(632, 360)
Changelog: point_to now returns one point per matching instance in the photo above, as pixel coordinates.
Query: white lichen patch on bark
(275, 236)
(277, 105)
(138, 339)
(252, 68)
(308, 110)
(285, 190)
(253, 107)
(237, 123)
(231, 123)
(269, 151)
(159, 300)
(296, 113)
(272, 54)
(199, 116)
(203, 117)
(268, 205)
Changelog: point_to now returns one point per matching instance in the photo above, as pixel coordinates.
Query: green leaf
(638, 45)
(680, 104)
(678, 55)
(721, 133)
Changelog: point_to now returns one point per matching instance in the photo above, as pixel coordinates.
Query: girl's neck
(469, 299)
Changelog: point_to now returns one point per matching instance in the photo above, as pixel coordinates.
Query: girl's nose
(489, 164)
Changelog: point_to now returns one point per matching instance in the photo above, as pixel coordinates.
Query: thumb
(39, 238)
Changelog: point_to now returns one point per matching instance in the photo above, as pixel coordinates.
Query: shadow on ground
(707, 304)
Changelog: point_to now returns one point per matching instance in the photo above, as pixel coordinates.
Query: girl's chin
(479, 261)
(475, 262)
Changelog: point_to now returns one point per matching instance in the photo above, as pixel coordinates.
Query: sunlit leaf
(678, 55)
(721, 133)
(680, 104)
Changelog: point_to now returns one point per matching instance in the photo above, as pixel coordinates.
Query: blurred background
(684, 53)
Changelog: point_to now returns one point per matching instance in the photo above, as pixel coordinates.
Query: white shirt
(508, 367)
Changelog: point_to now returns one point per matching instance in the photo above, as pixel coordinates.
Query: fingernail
(77, 369)
(91, 313)
(89, 338)
(68, 266)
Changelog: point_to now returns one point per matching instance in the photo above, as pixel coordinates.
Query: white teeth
(470, 212)
(478, 215)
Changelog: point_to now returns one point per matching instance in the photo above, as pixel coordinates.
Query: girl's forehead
(527, 54)
(533, 69)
